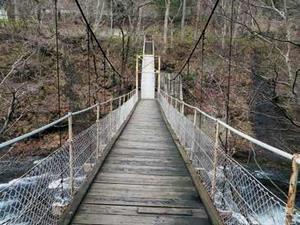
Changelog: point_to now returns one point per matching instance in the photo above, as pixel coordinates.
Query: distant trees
(166, 22)
(275, 23)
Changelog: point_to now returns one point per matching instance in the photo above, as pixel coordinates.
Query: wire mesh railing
(41, 195)
(238, 196)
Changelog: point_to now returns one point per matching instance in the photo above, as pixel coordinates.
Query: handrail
(60, 176)
(239, 133)
(258, 142)
(27, 135)
(47, 126)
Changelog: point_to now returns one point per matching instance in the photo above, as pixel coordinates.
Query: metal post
(158, 77)
(182, 107)
(290, 206)
(137, 73)
(120, 102)
(194, 131)
(195, 117)
(152, 47)
(168, 101)
(169, 84)
(98, 132)
(215, 162)
(180, 88)
(110, 118)
(144, 44)
(71, 168)
(182, 123)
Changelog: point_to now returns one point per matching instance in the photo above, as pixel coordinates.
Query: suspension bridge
(151, 158)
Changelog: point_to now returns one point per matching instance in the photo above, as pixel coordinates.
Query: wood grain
(144, 179)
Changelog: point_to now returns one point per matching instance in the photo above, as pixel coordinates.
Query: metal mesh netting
(38, 196)
(239, 197)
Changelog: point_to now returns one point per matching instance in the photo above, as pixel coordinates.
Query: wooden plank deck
(144, 179)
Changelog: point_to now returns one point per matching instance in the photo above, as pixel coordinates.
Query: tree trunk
(172, 34)
(99, 14)
(197, 18)
(167, 12)
(183, 18)
(111, 17)
(288, 38)
(224, 28)
(139, 23)
(236, 17)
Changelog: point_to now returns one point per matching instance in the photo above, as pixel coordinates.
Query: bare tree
(183, 18)
(166, 20)
(198, 10)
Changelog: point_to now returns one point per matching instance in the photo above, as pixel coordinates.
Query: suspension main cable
(199, 39)
(96, 40)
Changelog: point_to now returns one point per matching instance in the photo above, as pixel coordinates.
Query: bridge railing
(40, 196)
(238, 196)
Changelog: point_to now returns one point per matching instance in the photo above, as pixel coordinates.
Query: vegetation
(264, 84)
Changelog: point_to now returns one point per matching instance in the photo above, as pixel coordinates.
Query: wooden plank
(146, 159)
(171, 164)
(212, 211)
(140, 187)
(139, 162)
(144, 180)
(139, 211)
(150, 138)
(147, 138)
(145, 145)
(165, 211)
(71, 209)
(145, 149)
(140, 201)
(93, 219)
(147, 170)
(124, 194)
(159, 180)
(144, 153)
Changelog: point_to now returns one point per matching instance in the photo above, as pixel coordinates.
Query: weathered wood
(159, 170)
(139, 201)
(146, 145)
(169, 197)
(158, 180)
(139, 211)
(72, 208)
(144, 179)
(165, 211)
(207, 201)
(144, 153)
(141, 188)
(143, 159)
(138, 220)
(146, 162)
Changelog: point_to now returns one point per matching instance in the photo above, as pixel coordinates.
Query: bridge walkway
(144, 179)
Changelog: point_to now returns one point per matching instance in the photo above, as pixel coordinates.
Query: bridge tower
(150, 77)
(148, 71)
